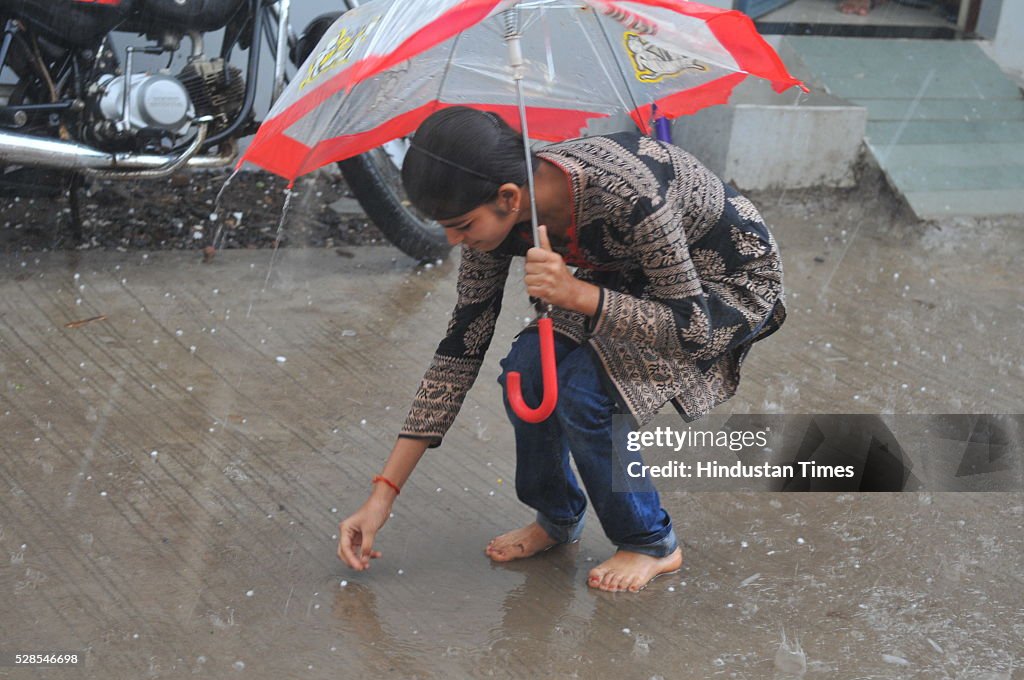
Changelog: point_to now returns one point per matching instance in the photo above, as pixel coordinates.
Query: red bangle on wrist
(380, 478)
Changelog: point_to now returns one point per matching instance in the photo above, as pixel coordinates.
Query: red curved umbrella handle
(549, 372)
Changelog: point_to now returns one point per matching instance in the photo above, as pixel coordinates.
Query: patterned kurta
(689, 276)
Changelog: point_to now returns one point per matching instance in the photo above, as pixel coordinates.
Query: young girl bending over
(676, 277)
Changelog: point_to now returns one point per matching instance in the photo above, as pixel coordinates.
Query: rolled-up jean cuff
(564, 531)
(662, 548)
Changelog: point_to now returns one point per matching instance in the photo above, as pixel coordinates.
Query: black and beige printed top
(689, 275)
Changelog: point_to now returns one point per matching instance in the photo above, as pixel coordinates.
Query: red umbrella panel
(388, 64)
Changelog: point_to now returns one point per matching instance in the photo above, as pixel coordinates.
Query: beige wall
(1009, 38)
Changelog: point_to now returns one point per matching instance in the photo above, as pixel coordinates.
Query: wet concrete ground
(172, 476)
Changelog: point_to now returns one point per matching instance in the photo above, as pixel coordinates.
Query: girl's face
(486, 226)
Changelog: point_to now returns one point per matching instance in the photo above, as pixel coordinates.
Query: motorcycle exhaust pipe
(19, 149)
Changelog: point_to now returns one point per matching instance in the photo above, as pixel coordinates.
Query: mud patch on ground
(177, 214)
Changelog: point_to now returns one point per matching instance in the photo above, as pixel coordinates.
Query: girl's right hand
(356, 533)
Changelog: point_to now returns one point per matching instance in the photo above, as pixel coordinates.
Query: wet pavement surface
(173, 471)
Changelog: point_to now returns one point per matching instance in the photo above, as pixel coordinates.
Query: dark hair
(458, 159)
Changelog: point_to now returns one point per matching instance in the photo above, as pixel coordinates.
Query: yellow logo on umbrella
(652, 64)
(337, 52)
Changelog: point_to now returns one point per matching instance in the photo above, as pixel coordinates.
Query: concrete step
(912, 177)
(944, 123)
(971, 203)
(855, 68)
(946, 132)
(942, 109)
(952, 155)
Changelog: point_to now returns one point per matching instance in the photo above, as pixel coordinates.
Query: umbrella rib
(448, 66)
(625, 81)
(597, 55)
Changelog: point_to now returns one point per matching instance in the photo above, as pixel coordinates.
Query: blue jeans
(581, 424)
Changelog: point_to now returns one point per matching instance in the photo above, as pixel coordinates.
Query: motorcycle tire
(376, 182)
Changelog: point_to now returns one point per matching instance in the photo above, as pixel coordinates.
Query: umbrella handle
(549, 372)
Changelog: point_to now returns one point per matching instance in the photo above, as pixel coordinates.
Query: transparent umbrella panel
(383, 68)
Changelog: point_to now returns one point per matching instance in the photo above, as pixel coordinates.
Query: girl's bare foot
(519, 543)
(632, 571)
(861, 7)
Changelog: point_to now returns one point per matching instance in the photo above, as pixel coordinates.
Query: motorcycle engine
(161, 105)
(157, 103)
(217, 89)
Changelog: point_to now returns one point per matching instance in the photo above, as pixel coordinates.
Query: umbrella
(548, 67)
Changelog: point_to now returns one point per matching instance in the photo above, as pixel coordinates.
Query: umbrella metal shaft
(529, 162)
(515, 58)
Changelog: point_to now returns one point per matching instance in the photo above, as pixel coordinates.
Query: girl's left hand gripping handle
(549, 371)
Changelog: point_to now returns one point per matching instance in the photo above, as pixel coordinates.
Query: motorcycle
(79, 105)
